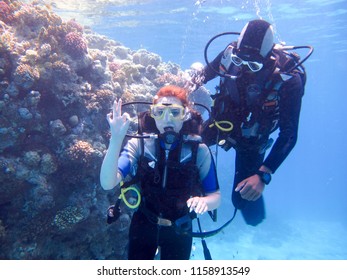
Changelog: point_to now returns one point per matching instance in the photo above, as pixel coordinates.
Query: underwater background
(63, 62)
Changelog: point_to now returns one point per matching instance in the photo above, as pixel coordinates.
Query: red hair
(174, 91)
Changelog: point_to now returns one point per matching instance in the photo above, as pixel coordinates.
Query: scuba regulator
(169, 136)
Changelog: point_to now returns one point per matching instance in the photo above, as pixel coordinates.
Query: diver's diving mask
(176, 112)
(252, 65)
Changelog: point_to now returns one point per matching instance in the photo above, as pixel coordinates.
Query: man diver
(260, 90)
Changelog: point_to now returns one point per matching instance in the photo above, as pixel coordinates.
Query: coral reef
(5, 12)
(25, 76)
(57, 83)
(81, 152)
(75, 44)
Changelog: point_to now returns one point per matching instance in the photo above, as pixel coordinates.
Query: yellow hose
(123, 191)
(220, 124)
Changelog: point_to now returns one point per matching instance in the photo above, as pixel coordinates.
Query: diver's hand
(251, 188)
(119, 123)
(195, 81)
(197, 204)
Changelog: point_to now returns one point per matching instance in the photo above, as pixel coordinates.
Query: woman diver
(177, 174)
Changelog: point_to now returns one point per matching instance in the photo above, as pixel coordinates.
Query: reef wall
(57, 83)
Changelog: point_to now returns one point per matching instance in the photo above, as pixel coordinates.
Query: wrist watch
(264, 176)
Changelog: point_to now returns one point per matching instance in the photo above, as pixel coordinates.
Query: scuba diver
(260, 90)
(176, 172)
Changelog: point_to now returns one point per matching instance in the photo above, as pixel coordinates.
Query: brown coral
(25, 76)
(101, 99)
(128, 96)
(7, 41)
(80, 152)
(61, 70)
(35, 16)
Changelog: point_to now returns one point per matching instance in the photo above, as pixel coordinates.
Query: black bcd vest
(167, 184)
(250, 102)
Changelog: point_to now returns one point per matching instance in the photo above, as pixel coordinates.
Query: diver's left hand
(197, 204)
(251, 188)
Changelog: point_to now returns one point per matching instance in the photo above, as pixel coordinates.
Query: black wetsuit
(249, 148)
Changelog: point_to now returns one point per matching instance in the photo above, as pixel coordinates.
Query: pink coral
(75, 44)
(5, 12)
(74, 25)
(114, 66)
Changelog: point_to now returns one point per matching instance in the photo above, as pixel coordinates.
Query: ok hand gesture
(119, 123)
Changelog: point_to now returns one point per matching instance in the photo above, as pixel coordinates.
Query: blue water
(306, 201)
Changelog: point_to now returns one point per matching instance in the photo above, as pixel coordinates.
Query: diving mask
(175, 112)
(252, 65)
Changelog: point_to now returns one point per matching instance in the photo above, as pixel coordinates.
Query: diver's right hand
(196, 81)
(119, 123)
(197, 204)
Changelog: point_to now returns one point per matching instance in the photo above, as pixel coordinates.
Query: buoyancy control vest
(167, 183)
(250, 101)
